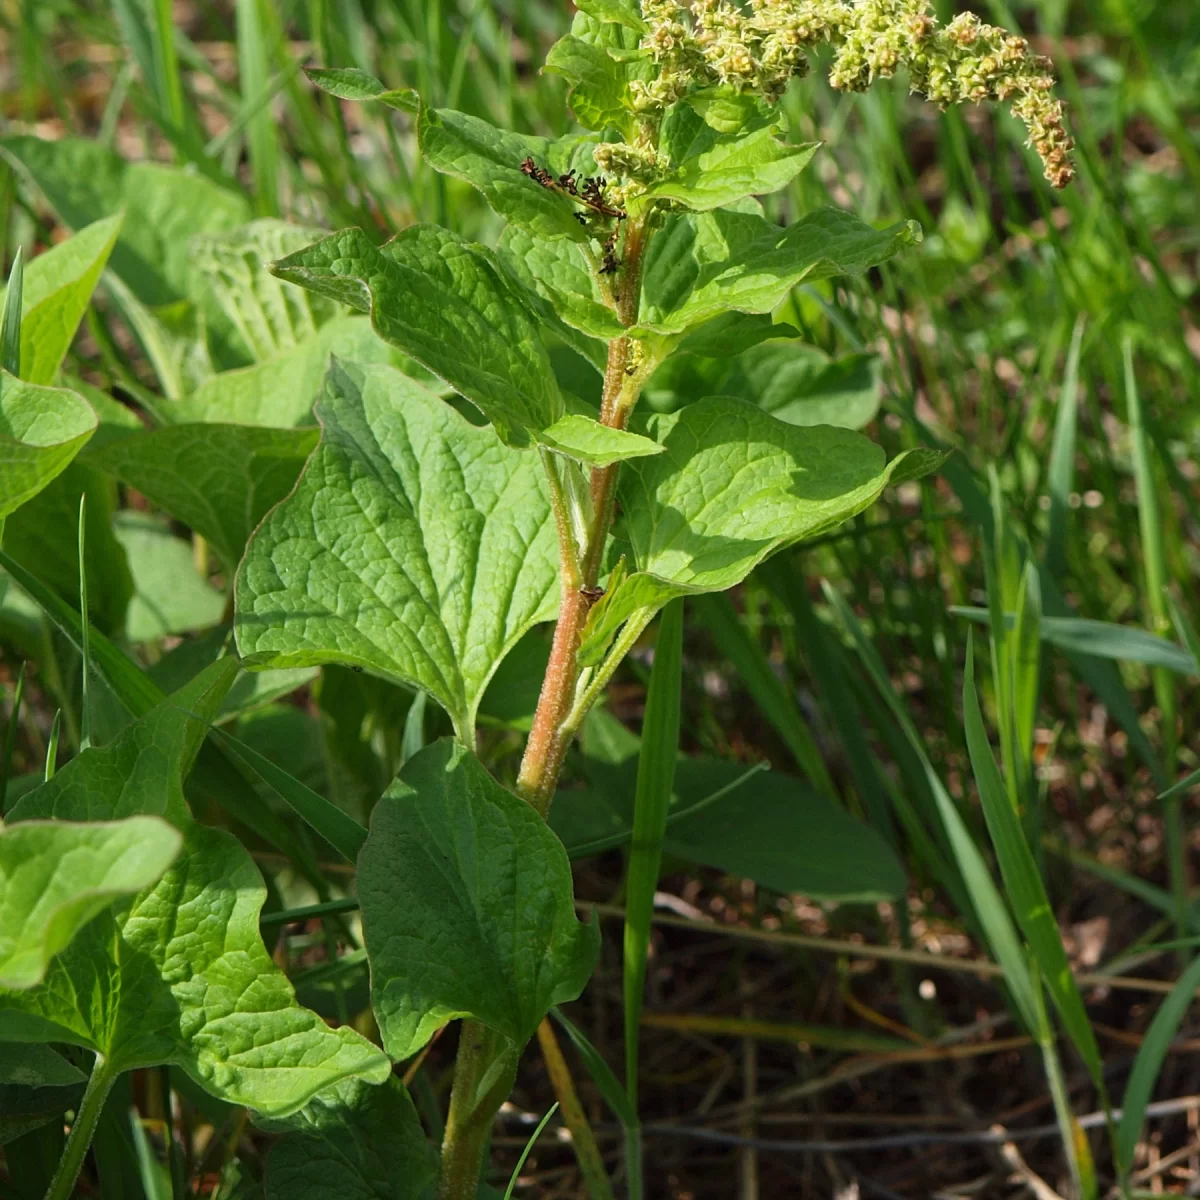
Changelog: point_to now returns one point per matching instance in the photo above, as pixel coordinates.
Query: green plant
(419, 545)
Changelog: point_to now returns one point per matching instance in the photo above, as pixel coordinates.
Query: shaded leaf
(219, 480)
(354, 1142)
(415, 545)
(467, 905)
(169, 597)
(270, 315)
(279, 392)
(804, 386)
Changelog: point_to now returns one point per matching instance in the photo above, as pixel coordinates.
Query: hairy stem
(62, 1186)
(485, 1067)
(484, 1073)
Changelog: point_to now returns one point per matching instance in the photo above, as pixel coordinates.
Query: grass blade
(262, 137)
(1149, 1061)
(608, 1085)
(10, 739)
(10, 327)
(1023, 882)
(1150, 522)
(52, 746)
(85, 715)
(656, 776)
(537, 1133)
(1103, 639)
(990, 910)
(338, 828)
(1062, 460)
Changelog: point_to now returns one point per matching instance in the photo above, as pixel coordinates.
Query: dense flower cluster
(760, 47)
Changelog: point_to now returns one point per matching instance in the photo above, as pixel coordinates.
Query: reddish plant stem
(547, 747)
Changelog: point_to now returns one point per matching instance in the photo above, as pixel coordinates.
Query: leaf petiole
(100, 1082)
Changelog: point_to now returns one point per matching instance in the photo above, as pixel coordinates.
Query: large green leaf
(164, 206)
(701, 265)
(415, 545)
(270, 315)
(446, 303)
(467, 905)
(179, 974)
(733, 486)
(41, 430)
(279, 392)
(716, 171)
(57, 289)
(55, 876)
(354, 1142)
(490, 159)
(219, 480)
(169, 596)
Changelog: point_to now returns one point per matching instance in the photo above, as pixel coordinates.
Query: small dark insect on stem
(591, 193)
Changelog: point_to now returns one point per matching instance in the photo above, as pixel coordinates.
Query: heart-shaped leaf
(354, 1142)
(178, 973)
(41, 430)
(733, 486)
(219, 480)
(701, 265)
(449, 305)
(55, 876)
(467, 905)
(415, 545)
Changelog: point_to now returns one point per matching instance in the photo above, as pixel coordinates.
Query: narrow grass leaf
(10, 328)
(537, 1133)
(655, 780)
(10, 739)
(262, 135)
(85, 716)
(1102, 639)
(1023, 883)
(1149, 1061)
(601, 1073)
(338, 828)
(989, 907)
(1061, 476)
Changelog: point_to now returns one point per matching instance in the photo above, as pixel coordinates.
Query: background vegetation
(821, 1013)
